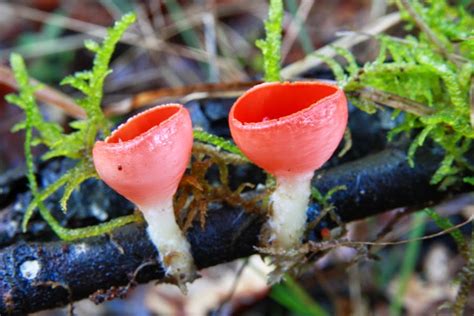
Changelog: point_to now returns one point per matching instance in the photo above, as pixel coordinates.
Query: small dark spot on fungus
(160, 136)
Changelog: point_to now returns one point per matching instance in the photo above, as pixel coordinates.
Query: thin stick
(210, 42)
(458, 58)
(296, 26)
(46, 94)
(426, 29)
(406, 241)
(181, 94)
(311, 61)
(394, 101)
(100, 32)
(148, 31)
(233, 288)
(46, 47)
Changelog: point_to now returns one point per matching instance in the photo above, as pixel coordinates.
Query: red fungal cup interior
(145, 158)
(142, 123)
(289, 128)
(278, 101)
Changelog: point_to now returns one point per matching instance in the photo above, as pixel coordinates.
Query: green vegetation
(324, 199)
(428, 80)
(445, 224)
(26, 101)
(216, 141)
(466, 276)
(429, 77)
(76, 145)
(270, 46)
(409, 262)
(290, 294)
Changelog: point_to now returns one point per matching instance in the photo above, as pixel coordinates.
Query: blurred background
(184, 43)
(175, 43)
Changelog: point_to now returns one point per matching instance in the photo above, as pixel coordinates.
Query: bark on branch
(38, 276)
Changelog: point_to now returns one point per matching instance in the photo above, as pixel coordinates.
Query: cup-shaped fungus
(289, 130)
(144, 160)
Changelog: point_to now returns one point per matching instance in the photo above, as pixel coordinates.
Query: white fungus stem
(174, 249)
(289, 203)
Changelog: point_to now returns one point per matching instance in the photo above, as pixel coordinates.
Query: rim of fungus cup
(114, 138)
(282, 119)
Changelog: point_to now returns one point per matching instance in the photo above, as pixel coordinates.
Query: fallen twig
(427, 30)
(99, 31)
(312, 61)
(45, 94)
(394, 101)
(179, 94)
(374, 184)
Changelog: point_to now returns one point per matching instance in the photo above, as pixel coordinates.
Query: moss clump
(270, 46)
(435, 82)
(76, 145)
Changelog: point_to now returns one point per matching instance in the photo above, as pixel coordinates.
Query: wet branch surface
(39, 273)
(103, 268)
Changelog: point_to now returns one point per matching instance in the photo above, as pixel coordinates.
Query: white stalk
(289, 204)
(173, 247)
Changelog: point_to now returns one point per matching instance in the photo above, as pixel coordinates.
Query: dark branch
(67, 272)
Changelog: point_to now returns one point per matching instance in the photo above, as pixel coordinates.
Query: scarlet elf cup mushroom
(144, 160)
(289, 130)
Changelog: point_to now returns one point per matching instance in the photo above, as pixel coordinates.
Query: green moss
(271, 45)
(76, 145)
(324, 199)
(445, 224)
(219, 142)
(415, 68)
(435, 69)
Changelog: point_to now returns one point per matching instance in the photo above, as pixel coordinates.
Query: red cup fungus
(289, 130)
(144, 160)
